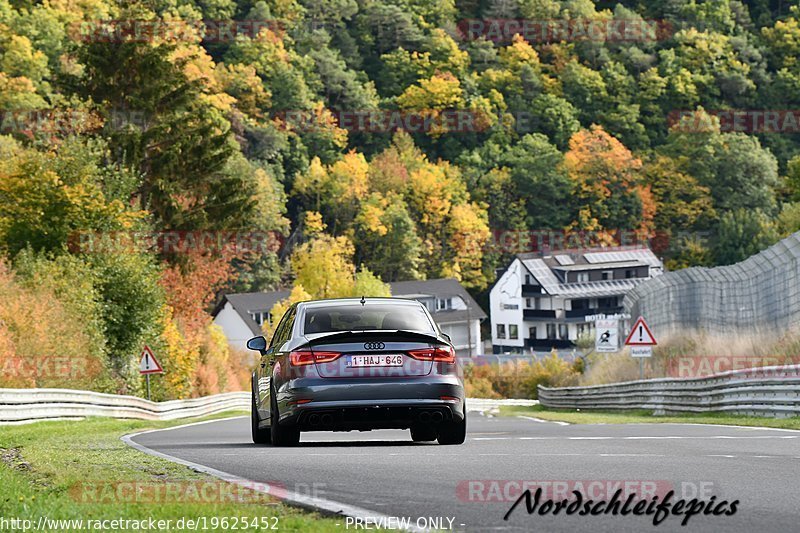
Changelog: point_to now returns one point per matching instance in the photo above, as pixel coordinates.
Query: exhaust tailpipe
(326, 420)
(313, 419)
(437, 417)
(424, 416)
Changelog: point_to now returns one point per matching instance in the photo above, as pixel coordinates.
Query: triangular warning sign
(640, 334)
(148, 363)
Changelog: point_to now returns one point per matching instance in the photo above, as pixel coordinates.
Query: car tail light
(307, 357)
(437, 355)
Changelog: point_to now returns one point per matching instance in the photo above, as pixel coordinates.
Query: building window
(528, 303)
(444, 304)
(582, 277)
(527, 279)
(513, 331)
(581, 328)
(257, 318)
(501, 331)
(611, 301)
(608, 274)
(532, 332)
(563, 332)
(630, 274)
(580, 303)
(551, 331)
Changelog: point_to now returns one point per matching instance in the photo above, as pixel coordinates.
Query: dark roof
(260, 302)
(251, 302)
(443, 287)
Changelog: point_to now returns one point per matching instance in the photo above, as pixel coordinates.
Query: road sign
(640, 334)
(148, 363)
(606, 335)
(641, 351)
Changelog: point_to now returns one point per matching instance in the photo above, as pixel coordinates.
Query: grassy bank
(646, 417)
(54, 469)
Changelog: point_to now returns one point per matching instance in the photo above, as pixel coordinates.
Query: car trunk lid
(373, 354)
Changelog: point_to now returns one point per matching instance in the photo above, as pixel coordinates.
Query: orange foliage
(43, 343)
(192, 285)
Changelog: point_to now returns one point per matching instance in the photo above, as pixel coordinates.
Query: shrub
(44, 341)
(520, 379)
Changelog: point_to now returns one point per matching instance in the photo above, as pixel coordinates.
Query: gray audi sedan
(357, 364)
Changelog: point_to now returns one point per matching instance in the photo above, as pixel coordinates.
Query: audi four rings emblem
(374, 346)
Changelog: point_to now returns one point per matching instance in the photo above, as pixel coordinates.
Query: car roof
(330, 302)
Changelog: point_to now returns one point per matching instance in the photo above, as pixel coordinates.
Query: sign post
(148, 364)
(641, 341)
(606, 335)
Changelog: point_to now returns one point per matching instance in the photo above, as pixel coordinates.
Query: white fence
(768, 391)
(18, 406)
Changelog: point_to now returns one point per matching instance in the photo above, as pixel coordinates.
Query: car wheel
(260, 435)
(423, 433)
(453, 432)
(282, 434)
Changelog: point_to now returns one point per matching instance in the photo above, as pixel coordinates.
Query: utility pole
(469, 329)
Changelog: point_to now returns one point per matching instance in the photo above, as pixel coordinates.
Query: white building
(456, 313)
(542, 301)
(241, 316)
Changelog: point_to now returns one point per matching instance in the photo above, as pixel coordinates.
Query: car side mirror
(257, 343)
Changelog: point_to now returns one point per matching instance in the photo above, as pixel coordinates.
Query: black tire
(423, 433)
(260, 435)
(453, 432)
(282, 434)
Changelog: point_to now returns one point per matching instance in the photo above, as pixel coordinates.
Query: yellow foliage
(440, 91)
(324, 266)
(369, 218)
(298, 294)
(179, 358)
(519, 53)
(313, 223)
(349, 176)
(430, 190)
(468, 232)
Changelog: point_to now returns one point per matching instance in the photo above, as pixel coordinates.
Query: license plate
(356, 361)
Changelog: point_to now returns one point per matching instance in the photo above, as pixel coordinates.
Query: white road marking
(710, 425)
(293, 498)
(534, 419)
(646, 437)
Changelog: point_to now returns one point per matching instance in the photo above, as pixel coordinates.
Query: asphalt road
(385, 472)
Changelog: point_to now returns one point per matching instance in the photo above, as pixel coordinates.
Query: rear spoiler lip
(315, 338)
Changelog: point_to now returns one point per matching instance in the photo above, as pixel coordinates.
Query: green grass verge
(646, 417)
(43, 463)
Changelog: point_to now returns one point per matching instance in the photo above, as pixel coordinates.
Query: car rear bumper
(344, 405)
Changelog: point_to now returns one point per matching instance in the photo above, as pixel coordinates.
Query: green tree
(386, 239)
(742, 233)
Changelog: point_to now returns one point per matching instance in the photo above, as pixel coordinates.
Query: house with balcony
(543, 301)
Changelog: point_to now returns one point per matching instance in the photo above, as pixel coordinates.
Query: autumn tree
(606, 181)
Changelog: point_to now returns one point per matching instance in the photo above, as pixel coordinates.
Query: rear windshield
(368, 316)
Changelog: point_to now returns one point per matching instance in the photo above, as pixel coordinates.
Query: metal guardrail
(18, 406)
(772, 391)
(27, 405)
